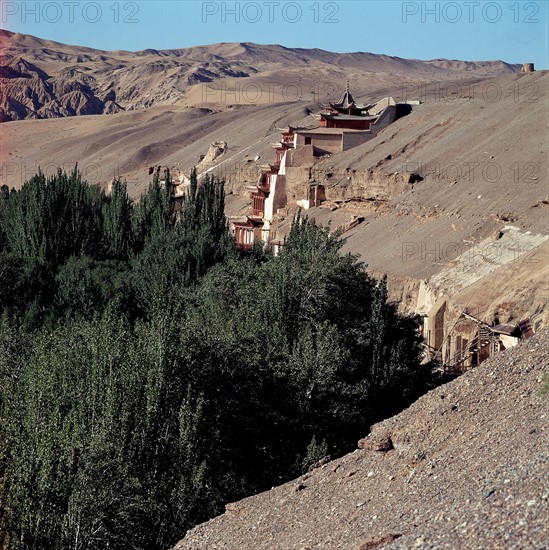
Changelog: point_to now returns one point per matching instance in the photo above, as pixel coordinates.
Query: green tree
(4, 197)
(152, 215)
(51, 219)
(117, 221)
(84, 286)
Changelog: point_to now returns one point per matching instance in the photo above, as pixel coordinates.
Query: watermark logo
(489, 92)
(270, 12)
(470, 12)
(437, 252)
(69, 12)
(15, 174)
(253, 93)
(474, 171)
(249, 92)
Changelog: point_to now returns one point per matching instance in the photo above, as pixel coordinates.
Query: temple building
(347, 114)
(340, 126)
(248, 231)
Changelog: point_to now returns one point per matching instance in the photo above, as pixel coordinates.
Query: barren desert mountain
(466, 466)
(46, 79)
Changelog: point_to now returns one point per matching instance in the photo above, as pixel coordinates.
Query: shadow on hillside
(403, 110)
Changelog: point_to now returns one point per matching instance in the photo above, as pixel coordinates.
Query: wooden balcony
(258, 205)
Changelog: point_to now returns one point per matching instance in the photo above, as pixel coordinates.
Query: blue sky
(514, 31)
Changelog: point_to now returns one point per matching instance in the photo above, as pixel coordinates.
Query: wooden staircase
(454, 366)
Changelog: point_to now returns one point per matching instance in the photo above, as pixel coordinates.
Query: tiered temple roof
(347, 105)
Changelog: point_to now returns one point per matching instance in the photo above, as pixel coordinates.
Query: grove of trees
(151, 372)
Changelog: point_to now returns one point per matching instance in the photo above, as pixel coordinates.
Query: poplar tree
(117, 223)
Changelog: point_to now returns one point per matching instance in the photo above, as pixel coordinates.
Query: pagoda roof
(249, 221)
(330, 116)
(352, 108)
(269, 167)
(505, 329)
(347, 103)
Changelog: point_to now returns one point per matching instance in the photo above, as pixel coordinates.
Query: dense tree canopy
(150, 372)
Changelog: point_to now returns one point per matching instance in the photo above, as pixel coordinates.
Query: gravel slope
(466, 466)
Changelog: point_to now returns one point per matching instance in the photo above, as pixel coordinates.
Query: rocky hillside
(471, 220)
(46, 79)
(466, 466)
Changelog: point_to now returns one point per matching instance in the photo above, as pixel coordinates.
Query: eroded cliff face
(499, 278)
(340, 185)
(346, 184)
